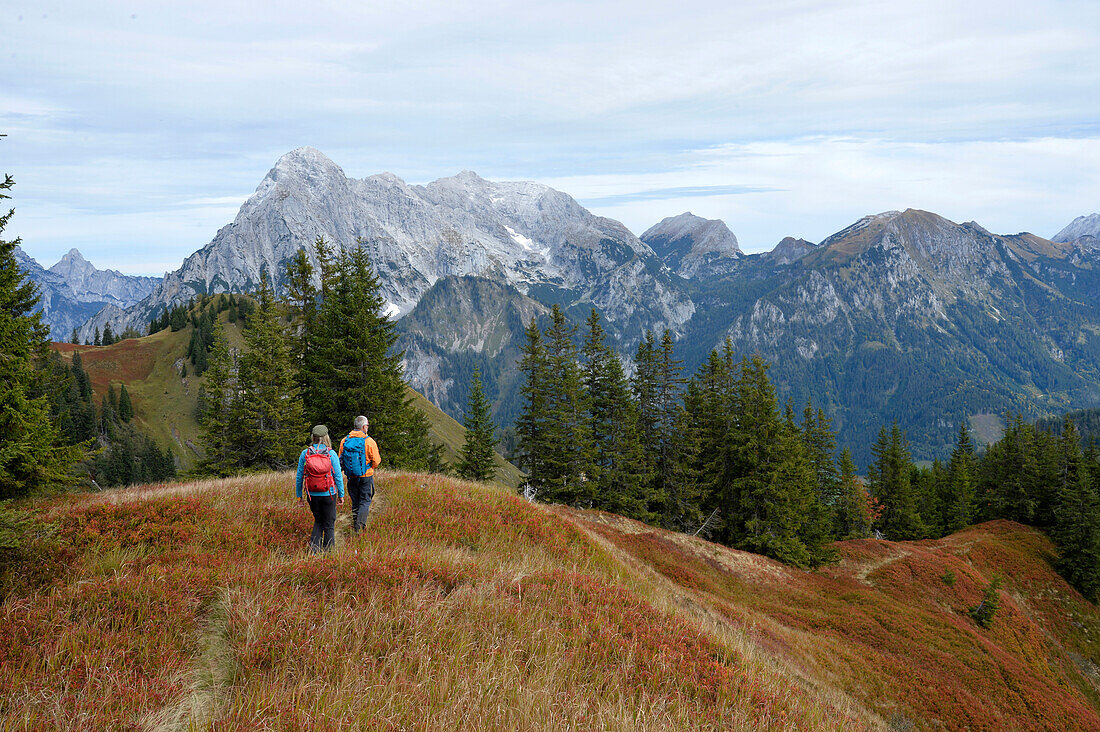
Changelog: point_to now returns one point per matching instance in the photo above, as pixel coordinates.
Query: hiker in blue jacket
(320, 477)
(359, 457)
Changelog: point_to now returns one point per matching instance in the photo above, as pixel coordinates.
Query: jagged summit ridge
(522, 232)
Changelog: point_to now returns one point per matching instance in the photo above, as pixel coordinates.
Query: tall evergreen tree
(1076, 529)
(960, 501)
(353, 366)
(615, 465)
(269, 403)
(532, 427)
(857, 510)
(219, 415)
(567, 436)
(125, 406)
(889, 481)
(32, 455)
(477, 460)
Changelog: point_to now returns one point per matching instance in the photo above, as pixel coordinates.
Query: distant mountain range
(72, 291)
(902, 315)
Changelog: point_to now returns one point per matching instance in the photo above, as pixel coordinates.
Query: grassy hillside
(463, 607)
(166, 402)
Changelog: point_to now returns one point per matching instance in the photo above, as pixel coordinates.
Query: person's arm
(301, 470)
(340, 451)
(338, 474)
(374, 457)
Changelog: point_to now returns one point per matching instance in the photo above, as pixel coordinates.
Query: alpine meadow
(733, 391)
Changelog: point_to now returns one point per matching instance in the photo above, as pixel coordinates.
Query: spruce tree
(269, 403)
(125, 407)
(567, 436)
(219, 415)
(1076, 531)
(615, 465)
(773, 478)
(75, 337)
(532, 427)
(890, 482)
(960, 502)
(32, 452)
(98, 341)
(856, 509)
(477, 460)
(108, 336)
(353, 366)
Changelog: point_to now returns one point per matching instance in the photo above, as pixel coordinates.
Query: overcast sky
(135, 131)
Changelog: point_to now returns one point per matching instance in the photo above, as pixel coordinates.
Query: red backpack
(317, 476)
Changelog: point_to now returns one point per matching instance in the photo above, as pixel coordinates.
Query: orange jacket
(373, 457)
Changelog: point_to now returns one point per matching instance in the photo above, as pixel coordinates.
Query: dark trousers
(361, 490)
(323, 537)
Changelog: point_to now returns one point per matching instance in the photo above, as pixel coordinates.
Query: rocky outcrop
(1079, 227)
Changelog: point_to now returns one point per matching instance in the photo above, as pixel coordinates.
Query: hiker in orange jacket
(359, 457)
(320, 480)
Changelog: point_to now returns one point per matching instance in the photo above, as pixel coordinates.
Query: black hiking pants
(323, 537)
(361, 490)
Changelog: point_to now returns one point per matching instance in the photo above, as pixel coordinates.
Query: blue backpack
(353, 457)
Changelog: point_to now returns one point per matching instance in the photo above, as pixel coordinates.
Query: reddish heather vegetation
(888, 625)
(464, 607)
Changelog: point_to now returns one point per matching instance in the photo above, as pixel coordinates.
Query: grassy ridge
(463, 607)
(460, 607)
(166, 402)
(890, 626)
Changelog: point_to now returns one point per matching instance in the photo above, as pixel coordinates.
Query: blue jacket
(338, 476)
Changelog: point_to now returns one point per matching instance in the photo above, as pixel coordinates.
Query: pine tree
(1076, 530)
(32, 454)
(302, 300)
(819, 441)
(125, 408)
(108, 336)
(960, 503)
(353, 366)
(269, 404)
(98, 341)
(567, 435)
(615, 465)
(477, 460)
(219, 415)
(772, 477)
(889, 481)
(533, 424)
(75, 337)
(857, 510)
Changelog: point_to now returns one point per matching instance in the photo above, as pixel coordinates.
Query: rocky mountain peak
(1080, 226)
(307, 164)
(789, 251)
(691, 245)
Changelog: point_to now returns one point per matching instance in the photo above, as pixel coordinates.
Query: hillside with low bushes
(462, 606)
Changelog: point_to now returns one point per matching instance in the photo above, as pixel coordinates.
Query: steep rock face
(693, 246)
(1079, 227)
(460, 323)
(789, 251)
(525, 234)
(910, 316)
